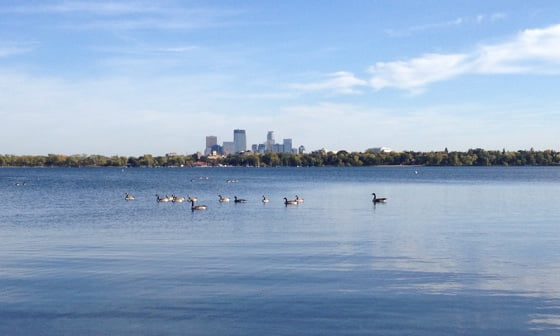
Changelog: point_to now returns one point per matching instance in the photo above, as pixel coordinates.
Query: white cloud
(532, 51)
(339, 82)
(416, 73)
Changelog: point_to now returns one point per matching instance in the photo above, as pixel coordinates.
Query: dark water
(468, 251)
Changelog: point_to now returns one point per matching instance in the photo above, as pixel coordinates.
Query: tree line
(472, 157)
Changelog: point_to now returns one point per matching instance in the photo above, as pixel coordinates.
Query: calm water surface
(470, 251)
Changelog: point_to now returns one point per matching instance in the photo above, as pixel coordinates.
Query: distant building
(239, 141)
(379, 150)
(287, 147)
(254, 148)
(216, 150)
(261, 148)
(277, 148)
(269, 141)
(211, 140)
(228, 148)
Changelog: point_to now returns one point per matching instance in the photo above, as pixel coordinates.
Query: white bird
(265, 199)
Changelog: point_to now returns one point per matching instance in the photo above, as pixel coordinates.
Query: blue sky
(135, 77)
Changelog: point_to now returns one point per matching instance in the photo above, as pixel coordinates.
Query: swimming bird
(162, 199)
(378, 200)
(177, 199)
(292, 202)
(265, 199)
(298, 199)
(190, 199)
(223, 199)
(239, 200)
(128, 197)
(197, 207)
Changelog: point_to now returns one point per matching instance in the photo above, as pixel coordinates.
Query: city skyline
(240, 144)
(132, 77)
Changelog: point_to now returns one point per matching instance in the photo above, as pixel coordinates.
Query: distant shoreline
(472, 157)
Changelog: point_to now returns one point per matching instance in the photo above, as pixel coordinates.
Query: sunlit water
(471, 251)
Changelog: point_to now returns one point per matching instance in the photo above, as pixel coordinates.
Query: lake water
(470, 251)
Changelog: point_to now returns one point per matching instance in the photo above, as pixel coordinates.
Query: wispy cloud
(129, 15)
(415, 74)
(532, 51)
(338, 82)
(94, 8)
(11, 49)
(456, 22)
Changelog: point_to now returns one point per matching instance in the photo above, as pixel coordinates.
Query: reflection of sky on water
(479, 256)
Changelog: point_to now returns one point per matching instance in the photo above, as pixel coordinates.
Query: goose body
(288, 202)
(162, 199)
(197, 207)
(128, 197)
(265, 199)
(223, 199)
(239, 200)
(298, 199)
(378, 200)
(190, 199)
(177, 199)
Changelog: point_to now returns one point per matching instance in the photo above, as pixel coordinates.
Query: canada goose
(197, 207)
(298, 199)
(378, 200)
(190, 199)
(287, 201)
(162, 199)
(223, 199)
(239, 200)
(265, 199)
(128, 197)
(177, 199)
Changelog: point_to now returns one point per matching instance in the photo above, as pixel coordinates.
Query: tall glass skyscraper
(269, 141)
(239, 141)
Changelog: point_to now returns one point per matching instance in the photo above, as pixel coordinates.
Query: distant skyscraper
(287, 145)
(211, 140)
(277, 148)
(269, 141)
(239, 140)
(228, 148)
